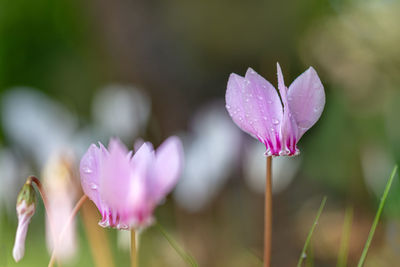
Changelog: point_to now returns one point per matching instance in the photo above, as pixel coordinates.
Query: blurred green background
(175, 57)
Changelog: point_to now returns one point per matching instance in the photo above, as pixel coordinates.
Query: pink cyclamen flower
(279, 123)
(126, 187)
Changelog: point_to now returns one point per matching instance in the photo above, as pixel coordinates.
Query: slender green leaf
(377, 216)
(310, 255)
(181, 252)
(303, 254)
(344, 244)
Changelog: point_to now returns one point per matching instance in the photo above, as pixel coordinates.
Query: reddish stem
(268, 214)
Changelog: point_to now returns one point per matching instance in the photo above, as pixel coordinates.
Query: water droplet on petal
(269, 102)
(260, 97)
(275, 121)
(86, 169)
(93, 186)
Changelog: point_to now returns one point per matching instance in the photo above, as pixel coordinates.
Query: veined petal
(115, 176)
(234, 103)
(90, 168)
(167, 168)
(255, 107)
(306, 98)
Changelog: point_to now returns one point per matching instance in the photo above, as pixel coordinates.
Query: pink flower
(279, 123)
(26, 205)
(125, 187)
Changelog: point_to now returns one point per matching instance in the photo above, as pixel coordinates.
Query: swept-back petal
(90, 168)
(141, 165)
(167, 168)
(288, 128)
(234, 103)
(306, 98)
(115, 178)
(254, 105)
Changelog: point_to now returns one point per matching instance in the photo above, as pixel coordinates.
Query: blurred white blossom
(284, 169)
(210, 152)
(121, 111)
(36, 123)
(61, 189)
(377, 165)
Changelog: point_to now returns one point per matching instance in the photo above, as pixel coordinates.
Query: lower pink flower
(127, 187)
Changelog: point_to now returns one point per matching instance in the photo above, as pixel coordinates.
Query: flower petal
(90, 171)
(306, 99)
(141, 164)
(288, 128)
(115, 178)
(167, 169)
(255, 107)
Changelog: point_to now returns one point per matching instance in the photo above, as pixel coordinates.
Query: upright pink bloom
(279, 123)
(125, 187)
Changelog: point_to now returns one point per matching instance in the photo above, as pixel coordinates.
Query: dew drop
(93, 186)
(87, 170)
(275, 121)
(260, 97)
(264, 118)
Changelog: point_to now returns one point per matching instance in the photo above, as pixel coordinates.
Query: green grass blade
(181, 252)
(303, 252)
(310, 255)
(344, 244)
(377, 216)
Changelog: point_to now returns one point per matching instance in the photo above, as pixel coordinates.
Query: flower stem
(133, 249)
(35, 180)
(377, 216)
(42, 193)
(66, 225)
(268, 214)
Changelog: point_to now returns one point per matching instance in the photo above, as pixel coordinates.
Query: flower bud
(26, 204)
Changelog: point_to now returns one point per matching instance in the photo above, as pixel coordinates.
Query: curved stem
(134, 260)
(268, 214)
(66, 225)
(42, 193)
